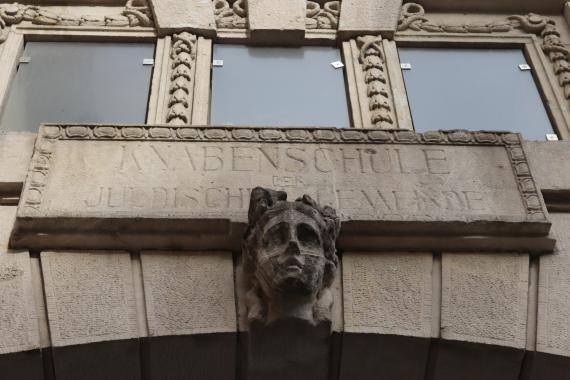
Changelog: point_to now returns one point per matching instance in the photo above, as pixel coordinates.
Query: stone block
(484, 298)
(188, 188)
(16, 149)
(277, 21)
(359, 17)
(89, 296)
(7, 220)
(550, 164)
(189, 292)
(553, 335)
(388, 293)
(173, 16)
(18, 323)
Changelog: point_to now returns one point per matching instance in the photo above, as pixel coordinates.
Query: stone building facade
(121, 239)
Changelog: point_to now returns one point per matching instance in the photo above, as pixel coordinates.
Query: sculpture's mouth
(293, 264)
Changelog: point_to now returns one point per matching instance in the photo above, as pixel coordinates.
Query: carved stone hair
(266, 204)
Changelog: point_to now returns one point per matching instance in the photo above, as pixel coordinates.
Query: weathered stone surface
(18, 324)
(553, 334)
(177, 15)
(369, 16)
(7, 220)
(484, 298)
(550, 164)
(384, 184)
(276, 21)
(89, 296)
(16, 149)
(189, 292)
(388, 293)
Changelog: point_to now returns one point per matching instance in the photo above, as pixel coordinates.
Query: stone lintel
(277, 21)
(359, 17)
(187, 188)
(173, 16)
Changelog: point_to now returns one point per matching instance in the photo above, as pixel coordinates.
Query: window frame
(13, 48)
(546, 82)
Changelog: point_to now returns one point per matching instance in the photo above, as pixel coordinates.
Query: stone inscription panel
(213, 179)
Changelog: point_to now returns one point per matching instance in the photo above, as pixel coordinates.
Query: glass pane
(79, 82)
(288, 87)
(475, 89)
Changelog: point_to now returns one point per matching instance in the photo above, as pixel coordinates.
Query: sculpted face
(291, 258)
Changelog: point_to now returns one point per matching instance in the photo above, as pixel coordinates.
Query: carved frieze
(183, 58)
(135, 13)
(230, 14)
(413, 17)
(323, 15)
(141, 176)
(290, 260)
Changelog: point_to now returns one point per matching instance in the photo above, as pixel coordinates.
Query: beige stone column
(181, 86)
(277, 21)
(369, 16)
(173, 16)
(369, 79)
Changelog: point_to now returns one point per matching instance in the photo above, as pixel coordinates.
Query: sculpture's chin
(293, 284)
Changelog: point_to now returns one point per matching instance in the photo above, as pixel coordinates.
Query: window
(474, 89)
(79, 82)
(288, 87)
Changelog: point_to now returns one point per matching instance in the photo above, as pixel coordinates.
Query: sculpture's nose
(293, 247)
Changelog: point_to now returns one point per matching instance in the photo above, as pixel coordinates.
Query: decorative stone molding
(323, 16)
(135, 13)
(230, 14)
(183, 57)
(372, 60)
(289, 258)
(413, 18)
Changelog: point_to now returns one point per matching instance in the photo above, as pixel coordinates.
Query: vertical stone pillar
(369, 16)
(277, 21)
(173, 16)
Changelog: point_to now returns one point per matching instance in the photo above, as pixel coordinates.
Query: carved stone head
(289, 257)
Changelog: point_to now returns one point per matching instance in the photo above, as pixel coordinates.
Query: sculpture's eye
(276, 236)
(307, 236)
